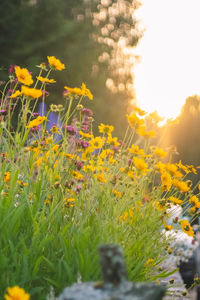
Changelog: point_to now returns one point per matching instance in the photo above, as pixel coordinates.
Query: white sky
(169, 71)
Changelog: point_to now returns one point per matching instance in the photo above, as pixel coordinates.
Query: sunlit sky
(169, 71)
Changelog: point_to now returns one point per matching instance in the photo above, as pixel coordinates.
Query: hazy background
(94, 39)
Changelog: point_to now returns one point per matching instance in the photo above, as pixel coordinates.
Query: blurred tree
(185, 134)
(95, 40)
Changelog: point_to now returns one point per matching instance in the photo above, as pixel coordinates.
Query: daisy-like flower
(113, 141)
(23, 75)
(175, 200)
(159, 152)
(166, 181)
(6, 177)
(44, 79)
(82, 91)
(181, 185)
(36, 122)
(31, 92)
(97, 142)
(105, 128)
(136, 150)
(146, 134)
(55, 63)
(185, 225)
(134, 121)
(16, 293)
(141, 165)
(16, 94)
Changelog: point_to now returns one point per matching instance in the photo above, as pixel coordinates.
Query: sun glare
(169, 70)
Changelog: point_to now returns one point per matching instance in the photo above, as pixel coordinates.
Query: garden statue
(115, 285)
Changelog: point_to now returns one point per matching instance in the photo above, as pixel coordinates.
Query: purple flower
(78, 188)
(3, 112)
(83, 144)
(34, 130)
(87, 112)
(85, 128)
(79, 165)
(12, 68)
(71, 130)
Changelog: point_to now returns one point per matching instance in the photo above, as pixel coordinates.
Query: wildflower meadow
(65, 191)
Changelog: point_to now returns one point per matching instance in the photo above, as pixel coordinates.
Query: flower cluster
(64, 174)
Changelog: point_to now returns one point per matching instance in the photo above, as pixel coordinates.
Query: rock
(114, 285)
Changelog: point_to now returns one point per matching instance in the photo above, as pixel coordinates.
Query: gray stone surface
(114, 285)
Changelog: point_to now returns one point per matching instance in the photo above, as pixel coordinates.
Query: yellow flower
(70, 202)
(36, 122)
(150, 261)
(127, 216)
(187, 228)
(77, 175)
(155, 117)
(130, 174)
(106, 153)
(87, 153)
(139, 111)
(97, 142)
(117, 193)
(88, 168)
(6, 177)
(31, 92)
(143, 132)
(166, 181)
(195, 201)
(134, 121)
(100, 177)
(193, 169)
(22, 184)
(84, 134)
(82, 91)
(172, 168)
(46, 80)
(23, 75)
(55, 63)
(39, 161)
(112, 141)
(181, 185)
(136, 150)
(160, 166)
(160, 152)
(16, 293)
(184, 168)
(168, 227)
(175, 200)
(16, 94)
(141, 165)
(105, 128)
(86, 92)
(54, 129)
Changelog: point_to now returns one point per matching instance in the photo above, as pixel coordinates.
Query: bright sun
(169, 70)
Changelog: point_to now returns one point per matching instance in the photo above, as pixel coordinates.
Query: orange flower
(23, 76)
(55, 63)
(16, 293)
(46, 80)
(31, 92)
(16, 94)
(187, 228)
